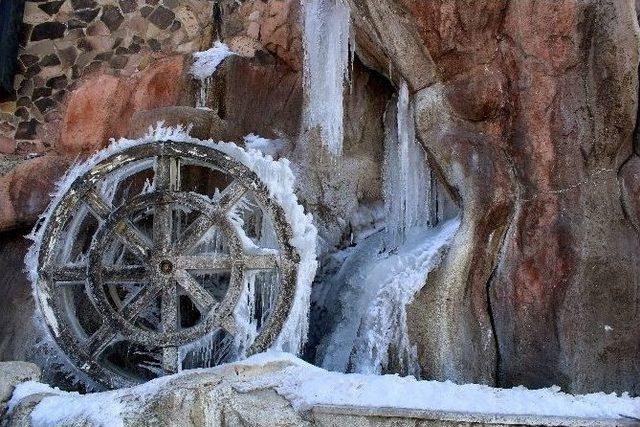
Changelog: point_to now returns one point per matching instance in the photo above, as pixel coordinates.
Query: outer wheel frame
(83, 352)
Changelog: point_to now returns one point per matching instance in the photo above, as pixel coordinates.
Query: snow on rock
(326, 60)
(271, 147)
(206, 62)
(304, 386)
(204, 65)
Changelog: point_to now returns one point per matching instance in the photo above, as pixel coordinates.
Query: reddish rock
(7, 145)
(90, 112)
(101, 108)
(25, 190)
(280, 32)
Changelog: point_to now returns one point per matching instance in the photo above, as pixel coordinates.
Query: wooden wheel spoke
(124, 274)
(169, 315)
(169, 307)
(133, 239)
(194, 233)
(213, 262)
(162, 227)
(260, 261)
(128, 233)
(139, 301)
(231, 195)
(100, 340)
(198, 294)
(229, 325)
(170, 360)
(97, 204)
(167, 174)
(69, 273)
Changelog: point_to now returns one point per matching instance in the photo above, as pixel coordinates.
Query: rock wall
(528, 111)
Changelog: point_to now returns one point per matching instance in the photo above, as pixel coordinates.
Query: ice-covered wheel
(162, 256)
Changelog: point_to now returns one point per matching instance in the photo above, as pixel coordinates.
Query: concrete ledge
(333, 415)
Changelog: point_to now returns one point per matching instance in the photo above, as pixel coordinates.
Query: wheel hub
(166, 266)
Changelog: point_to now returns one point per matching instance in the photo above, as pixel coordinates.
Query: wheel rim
(162, 276)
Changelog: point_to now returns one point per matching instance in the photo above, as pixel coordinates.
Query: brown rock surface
(527, 111)
(25, 190)
(259, 95)
(203, 124)
(101, 108)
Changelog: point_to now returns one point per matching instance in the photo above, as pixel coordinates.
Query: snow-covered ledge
(277, 389)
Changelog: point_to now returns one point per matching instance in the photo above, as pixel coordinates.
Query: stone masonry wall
(64, 40)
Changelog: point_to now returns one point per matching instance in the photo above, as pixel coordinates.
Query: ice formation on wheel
(167, 253)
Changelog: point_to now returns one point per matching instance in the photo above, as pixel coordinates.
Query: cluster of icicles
(375, 326)
(381, 275)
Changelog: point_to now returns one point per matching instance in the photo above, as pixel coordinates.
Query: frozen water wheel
(162, 256)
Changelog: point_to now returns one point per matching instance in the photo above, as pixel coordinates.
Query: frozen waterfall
(382, 273)
(326, 62)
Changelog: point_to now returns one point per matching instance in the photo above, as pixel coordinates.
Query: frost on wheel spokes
(164, 255)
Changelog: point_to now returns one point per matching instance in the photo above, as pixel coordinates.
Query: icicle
(407, 177)
(244, 316)
(326, 59)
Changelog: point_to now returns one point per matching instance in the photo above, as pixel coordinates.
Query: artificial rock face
(527, 110)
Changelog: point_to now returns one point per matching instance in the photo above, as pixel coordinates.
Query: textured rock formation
(12, 374)
(527, 110)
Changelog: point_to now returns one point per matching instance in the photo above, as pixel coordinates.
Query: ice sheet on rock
(383, 328)
(377, 284)
(326, 60)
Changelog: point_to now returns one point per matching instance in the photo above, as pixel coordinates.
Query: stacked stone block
(64, 40)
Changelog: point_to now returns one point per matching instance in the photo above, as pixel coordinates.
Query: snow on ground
(305, 386)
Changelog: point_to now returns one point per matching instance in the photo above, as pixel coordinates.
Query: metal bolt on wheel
(152, 252)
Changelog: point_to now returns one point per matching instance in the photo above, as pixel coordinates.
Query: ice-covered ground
(306, 386)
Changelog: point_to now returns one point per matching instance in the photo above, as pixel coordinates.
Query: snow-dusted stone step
(278, 390)
(356, 416)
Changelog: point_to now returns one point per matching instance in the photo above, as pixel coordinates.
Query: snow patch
(271, 147)
(305, 386)
(206, 62)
